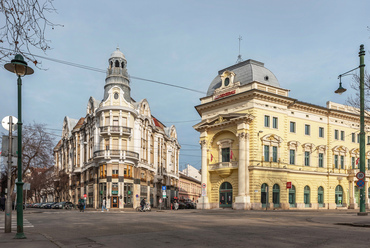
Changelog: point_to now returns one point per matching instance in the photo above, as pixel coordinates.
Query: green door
(226, 195)
(320, 197)
(264, 194)
(357, 195)
(292, 197)
(307, 196)
(339, 195)
(276, 195)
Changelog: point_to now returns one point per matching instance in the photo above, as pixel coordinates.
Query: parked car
(43, 204)
(61, 205)
(182, 205)
(49, 204)
(190, 205)
(36, 205)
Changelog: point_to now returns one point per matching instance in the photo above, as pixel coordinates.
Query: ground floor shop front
(127, 194)
(285, 190)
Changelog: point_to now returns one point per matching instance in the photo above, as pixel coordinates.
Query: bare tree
(24, 24)
(354, 101)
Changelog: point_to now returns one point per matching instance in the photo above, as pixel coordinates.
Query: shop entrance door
(226, 195)
(114, 201)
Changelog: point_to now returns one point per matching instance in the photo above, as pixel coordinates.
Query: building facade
(118, 151)
(189, 188)
(262, 148)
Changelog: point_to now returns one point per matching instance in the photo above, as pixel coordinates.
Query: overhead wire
(104, 71)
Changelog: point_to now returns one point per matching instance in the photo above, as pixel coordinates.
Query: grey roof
(246, 72)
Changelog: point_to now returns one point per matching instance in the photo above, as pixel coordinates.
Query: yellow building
(262, 148)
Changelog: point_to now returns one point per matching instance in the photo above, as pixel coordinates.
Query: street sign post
(360, 175)
(360, 184)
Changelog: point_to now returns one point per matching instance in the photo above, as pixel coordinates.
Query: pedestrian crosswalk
(26, 223)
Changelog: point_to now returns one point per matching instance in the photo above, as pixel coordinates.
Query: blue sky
(306, 44)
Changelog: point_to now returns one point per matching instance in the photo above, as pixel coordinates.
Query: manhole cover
(90, 245)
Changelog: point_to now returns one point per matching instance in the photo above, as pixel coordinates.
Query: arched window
(292, 197)
(116, 64)
(276, 195)
(339, 195)
(320, 196)
(122, 64)
(111, 64)
(306, 196)
(264, 195)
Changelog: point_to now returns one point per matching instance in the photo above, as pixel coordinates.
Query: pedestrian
(2, 203)
(104, 205)
(81, 204)
(142, 204)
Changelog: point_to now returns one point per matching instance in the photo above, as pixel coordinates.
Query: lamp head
(19, 66)
(340, 90)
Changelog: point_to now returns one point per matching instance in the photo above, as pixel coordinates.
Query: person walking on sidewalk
(81, 204)
(104, 205)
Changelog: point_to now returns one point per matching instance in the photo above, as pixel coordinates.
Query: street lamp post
(19, 67)
(340, 90)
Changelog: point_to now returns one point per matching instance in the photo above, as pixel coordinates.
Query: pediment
(223, 119)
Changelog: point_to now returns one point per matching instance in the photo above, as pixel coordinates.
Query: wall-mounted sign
(225, 94)
(288, 185)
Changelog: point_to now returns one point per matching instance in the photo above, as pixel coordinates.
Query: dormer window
(227, 78)
(227, 81)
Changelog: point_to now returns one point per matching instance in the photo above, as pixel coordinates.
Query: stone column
(352, 204)
(241, 199)
(203, 201)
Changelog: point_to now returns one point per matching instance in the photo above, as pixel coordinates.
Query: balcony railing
(224, 165)
(122, 154)
(115, 129)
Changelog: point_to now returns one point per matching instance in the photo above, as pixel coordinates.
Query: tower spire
(239, 56)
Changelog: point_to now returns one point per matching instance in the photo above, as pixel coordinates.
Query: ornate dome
(117, 54)
(246, 72)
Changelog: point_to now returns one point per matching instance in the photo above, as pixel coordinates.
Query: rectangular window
(321, 160)
(267, 121)
(321, 132)
(353, 138)
(292, 127)
(225, 154)
(336, 161)
(342, 135)
(368, 164)
(336, 134)
(292, 157)
(368, 140)
(353, 162)
(358, 138)
(342, 162)
(267, 153)
(307, 129)
(274, 154)
(307, 158)
(274, 122)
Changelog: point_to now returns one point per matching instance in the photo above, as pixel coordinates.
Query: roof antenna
(239, 56)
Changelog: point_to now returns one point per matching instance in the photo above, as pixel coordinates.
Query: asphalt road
(197, 228)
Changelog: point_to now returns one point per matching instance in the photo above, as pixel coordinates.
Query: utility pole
(8, 205)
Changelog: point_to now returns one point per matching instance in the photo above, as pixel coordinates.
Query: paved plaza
(190, 228)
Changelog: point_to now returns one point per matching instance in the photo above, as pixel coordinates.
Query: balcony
(121, 130)
(122, 154)
(223, 165)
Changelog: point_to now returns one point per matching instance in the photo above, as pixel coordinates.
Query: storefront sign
(288, 185)
(225, 94)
